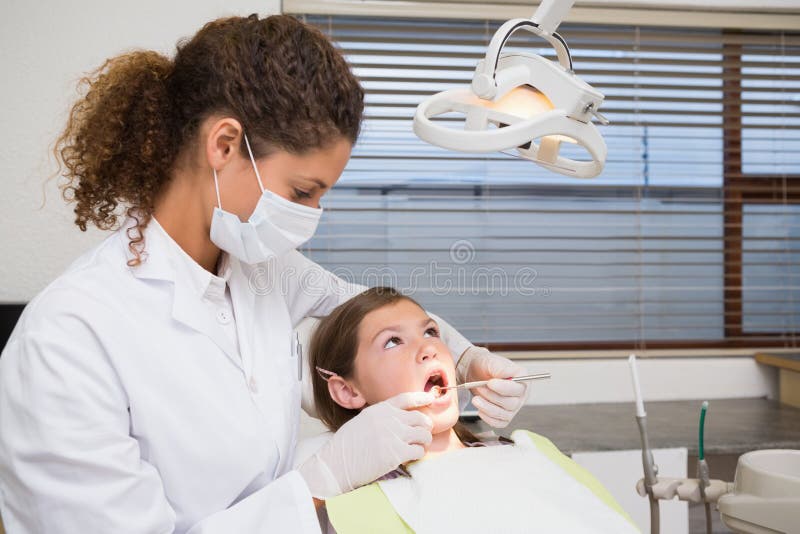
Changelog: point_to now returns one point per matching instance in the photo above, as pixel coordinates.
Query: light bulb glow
(523, 101)
(526, 102)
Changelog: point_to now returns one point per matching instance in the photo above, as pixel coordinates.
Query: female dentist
(153, 386)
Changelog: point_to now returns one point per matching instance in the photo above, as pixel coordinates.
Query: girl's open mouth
(436, 378)
(435, 383)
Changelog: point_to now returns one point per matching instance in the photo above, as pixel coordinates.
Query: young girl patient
(382, 343)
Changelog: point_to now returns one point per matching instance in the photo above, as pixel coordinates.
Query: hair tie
(323, 372)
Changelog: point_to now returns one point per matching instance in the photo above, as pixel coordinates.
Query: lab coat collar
(155, 264)
(165, 260)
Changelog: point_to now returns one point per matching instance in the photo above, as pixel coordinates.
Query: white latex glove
(499, 400)
(371, 444)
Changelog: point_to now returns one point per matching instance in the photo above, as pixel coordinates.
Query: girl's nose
(426, 352)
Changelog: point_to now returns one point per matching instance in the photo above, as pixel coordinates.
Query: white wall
(45, 47)
(662, 379)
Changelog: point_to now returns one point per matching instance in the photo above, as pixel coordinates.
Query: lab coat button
(253, 385)
(223, 317)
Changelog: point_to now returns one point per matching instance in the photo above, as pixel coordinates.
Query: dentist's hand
(371, 444)
(499, 400)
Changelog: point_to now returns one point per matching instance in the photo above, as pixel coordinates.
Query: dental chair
(367, 509)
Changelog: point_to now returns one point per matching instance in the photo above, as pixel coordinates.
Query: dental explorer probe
(478, 383)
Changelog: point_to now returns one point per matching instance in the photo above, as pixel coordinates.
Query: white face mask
(276, 226)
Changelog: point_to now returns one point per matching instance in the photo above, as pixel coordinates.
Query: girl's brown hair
(334, 345)
(283, 80)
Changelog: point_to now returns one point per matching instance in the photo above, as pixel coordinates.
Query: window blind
(763, 178)
(644, 255)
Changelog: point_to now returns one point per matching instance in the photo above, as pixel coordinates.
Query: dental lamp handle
(484, 83)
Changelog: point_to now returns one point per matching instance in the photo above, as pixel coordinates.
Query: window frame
(740, 188)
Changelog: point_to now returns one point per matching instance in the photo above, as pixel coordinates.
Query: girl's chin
(443, 421)
(438, 429)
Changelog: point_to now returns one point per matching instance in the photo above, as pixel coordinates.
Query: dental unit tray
(763, 499)
(516, 99)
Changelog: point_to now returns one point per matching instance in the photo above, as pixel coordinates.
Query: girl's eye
(299, 193)
(431, 332)
(393, 342)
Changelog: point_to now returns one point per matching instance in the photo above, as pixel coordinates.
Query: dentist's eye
(300, 194)
(431, 332)
(392, 342)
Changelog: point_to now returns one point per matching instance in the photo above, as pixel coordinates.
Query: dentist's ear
(222, 141)
(344, 394)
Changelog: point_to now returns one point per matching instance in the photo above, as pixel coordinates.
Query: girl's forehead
(400, 314)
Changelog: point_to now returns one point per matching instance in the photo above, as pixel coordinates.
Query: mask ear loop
(253, 161)
(216, 185)
(322, 372)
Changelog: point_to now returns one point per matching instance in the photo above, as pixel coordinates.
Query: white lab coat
(125, 408)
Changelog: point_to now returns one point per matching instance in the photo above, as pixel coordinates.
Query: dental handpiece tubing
(649, 475)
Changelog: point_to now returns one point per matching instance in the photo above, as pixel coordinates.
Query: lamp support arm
(550, 13)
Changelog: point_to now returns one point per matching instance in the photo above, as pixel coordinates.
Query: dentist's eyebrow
(320, 183)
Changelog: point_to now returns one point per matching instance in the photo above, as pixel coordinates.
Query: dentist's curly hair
(282, 79)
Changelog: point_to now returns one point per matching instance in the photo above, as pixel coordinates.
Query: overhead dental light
(522, 101)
